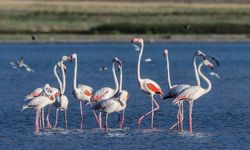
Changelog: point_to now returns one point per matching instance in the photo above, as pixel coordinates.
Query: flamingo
(176, 89)
(62, 103)
(121, 122)
(40, 102)
(194, 92)
(148, 86)
(81, 92)
(39, 92)
(106, 92)
(20, 64)
(115, 104)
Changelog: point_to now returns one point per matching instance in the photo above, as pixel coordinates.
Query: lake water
(220, 118)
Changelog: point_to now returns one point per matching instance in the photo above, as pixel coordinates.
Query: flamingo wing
(103, 93)
(155, 88)
(190, 93)
(35, 93)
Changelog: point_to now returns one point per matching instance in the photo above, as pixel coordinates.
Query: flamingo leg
(40, 121)
(119, 118)
(81, 122)
(47, 118)
(106, 123)
(178, 117)
(65, 119)
(100, 119)
(181, 116)
(43, 118)
(122, 121)
(37, 120)
(190, 116)
(148, 113)
(96, 118)
(56, 118)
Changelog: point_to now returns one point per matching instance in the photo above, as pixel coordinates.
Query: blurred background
(119, 20)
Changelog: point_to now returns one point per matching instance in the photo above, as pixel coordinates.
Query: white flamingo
(40, 102)
(81, 92)
(62, 101)
(148, 86)
(115, 104)
(106, 92)
(194, 92)
(174, 90)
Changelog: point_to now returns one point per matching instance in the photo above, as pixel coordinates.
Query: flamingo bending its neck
(194, 92)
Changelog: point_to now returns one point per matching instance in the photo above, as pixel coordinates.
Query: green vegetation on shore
(121, 17)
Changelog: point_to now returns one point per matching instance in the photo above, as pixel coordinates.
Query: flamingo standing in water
(176, 89)
(148, 86)
(115, 104)
(40, 102)
(121, 121)
(62, 103)
(194, 92)
(106, 92)
(81, 92)
(41, 91)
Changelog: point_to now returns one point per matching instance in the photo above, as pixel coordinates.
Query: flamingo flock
(110, 100)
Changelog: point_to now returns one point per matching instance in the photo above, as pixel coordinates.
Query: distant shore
(123, 38)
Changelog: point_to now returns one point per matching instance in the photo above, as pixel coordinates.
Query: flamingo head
(73, 56)
(199, 53)
(118, 61)
(165, 53)
(64, 67)
(137, 40)
(208, 63)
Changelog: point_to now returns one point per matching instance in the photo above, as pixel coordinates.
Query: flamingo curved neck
(120, 90)
(115, 78)
(198, 82)
(75, 73)
(64, 79)
(57, 77)
(204, 78)
(139, 64)
(168, 73)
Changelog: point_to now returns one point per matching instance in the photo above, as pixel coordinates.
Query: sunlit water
(220, 118)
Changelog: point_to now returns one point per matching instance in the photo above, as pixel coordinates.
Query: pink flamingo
(40, 102)
(115, 104)
(194, 92)
(107, 92)
(148, 86)
(176, 89)
(81, 92)
(62, 103)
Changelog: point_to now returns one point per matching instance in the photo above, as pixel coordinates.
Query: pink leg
(181, 117)
(106, 124)
(100, 119)
(43, 118)
(190, 116)
(142, 117)
(122, 121)
(178, 123)
(81, 122)
(96, 118)
(37, 120)
(56, 118)
(40, 121)
(47, 118)
(65, 119)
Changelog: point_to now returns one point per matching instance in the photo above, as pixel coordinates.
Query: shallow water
(220, 118)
